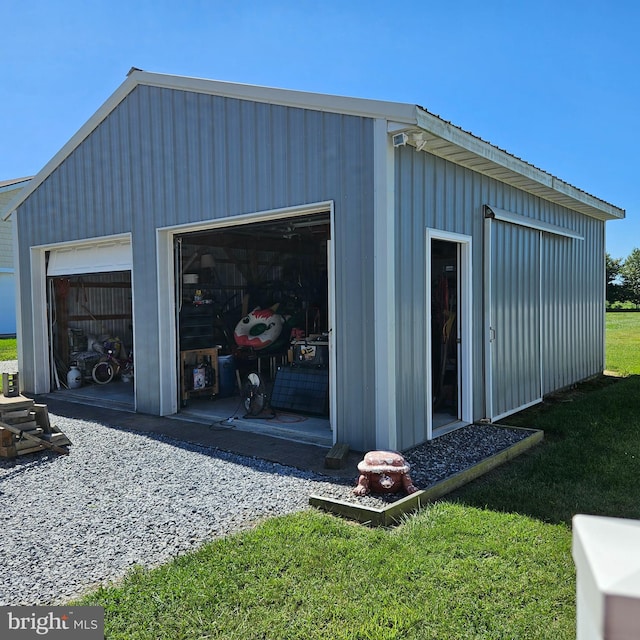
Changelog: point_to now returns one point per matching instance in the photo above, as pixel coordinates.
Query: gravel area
(123, 498)
(439, 459)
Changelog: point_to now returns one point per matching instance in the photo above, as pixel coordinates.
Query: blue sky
(554, 82)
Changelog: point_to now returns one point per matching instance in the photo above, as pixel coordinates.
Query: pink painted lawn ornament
(383, 472)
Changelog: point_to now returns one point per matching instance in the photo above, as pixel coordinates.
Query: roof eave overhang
(439, 137)
(447, 141)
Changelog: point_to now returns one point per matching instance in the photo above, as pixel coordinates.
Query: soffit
(447, 141)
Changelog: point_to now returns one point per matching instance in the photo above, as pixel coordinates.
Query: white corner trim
(384, 278)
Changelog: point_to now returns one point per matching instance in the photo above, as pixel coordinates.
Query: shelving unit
(197, 326)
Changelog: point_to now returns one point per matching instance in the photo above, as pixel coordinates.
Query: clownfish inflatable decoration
(258, 329)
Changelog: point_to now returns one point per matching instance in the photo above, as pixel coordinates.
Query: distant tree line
(623, 281)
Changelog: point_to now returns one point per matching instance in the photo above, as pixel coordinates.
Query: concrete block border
(392, 513)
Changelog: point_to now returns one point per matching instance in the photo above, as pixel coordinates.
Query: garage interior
(90, 318)
(252, 327)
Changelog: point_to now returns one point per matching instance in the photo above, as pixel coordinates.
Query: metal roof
(428, 132)
(12, 188)
(12, 183)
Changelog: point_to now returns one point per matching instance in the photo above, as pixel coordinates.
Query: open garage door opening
(90, 323)
(254, 325)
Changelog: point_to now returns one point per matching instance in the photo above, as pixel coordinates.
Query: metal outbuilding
(450, 280)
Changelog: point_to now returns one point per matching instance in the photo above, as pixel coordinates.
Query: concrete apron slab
(393, 513)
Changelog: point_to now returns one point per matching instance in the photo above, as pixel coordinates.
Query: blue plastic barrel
(227, 379)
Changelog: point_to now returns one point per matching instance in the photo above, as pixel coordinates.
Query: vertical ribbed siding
(430, 193)
(515, 316)
(573, 304)
(434, 193)
(166, 157)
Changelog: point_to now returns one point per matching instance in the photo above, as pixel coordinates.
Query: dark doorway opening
(445, 305)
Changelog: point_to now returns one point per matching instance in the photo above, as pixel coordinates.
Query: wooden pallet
(25, 428)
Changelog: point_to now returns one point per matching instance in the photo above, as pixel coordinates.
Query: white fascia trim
(285, 97)
(496, 156)
(384, 277)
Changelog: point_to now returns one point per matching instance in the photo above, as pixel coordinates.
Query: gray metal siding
(430, 193)
(573, 300)
(515, 317)
(166, 157)
(434, 193)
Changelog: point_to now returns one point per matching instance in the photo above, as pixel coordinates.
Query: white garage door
(91, 257)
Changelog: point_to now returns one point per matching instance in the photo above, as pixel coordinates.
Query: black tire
(103, 373)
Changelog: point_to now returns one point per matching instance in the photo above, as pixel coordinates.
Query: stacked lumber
(25, 428)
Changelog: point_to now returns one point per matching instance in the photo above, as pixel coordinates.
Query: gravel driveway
(123, 498)
(119, 499)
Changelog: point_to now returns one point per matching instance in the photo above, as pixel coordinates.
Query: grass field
(623, 342)
(8, 349)
(491, 561)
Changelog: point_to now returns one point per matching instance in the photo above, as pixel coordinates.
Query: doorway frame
(167, 295)
(40, 362)
(465, 329)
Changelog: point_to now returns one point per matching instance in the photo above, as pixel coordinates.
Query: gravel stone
(439, 459)
(123, 498)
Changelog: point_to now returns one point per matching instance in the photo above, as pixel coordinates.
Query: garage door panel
(91, 257)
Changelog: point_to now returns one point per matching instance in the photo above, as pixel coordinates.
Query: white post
(606, 552)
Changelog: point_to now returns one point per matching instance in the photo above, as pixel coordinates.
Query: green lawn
(451, 572)
(623, 342)
(8, 349)
(491, 561)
